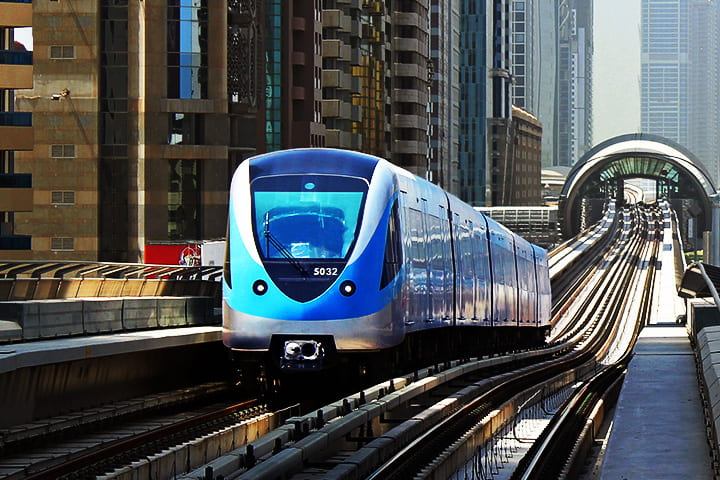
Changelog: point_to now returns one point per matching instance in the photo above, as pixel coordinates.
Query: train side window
(393, 248)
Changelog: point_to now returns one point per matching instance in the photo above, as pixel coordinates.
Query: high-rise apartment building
(526, 59)
(445, 94)
(500, 66)
(143, 110)
(474, 105)
(410, 77)
(547, 85)
(306, 73)
(664, 69)
(573, 116)
(16, 129)
(704, 84)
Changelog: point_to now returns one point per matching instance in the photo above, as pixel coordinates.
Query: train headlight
(302, 350)
(347, 288)
(292, 350)
(260, 287)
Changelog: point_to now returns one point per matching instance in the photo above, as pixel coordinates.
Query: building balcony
(336, 79)
(298, 23)
(410, 70)
(299, 93)
(406, 44)
(410, 146)
(16, 69)
(336, 19)
(409, 18)
(372, 34)
(16, 194)
(376, 7)
(409, 121)
(16, 131)
(336, 108)
(340, 139)
(403, 95)
(15, 13)
(333, 48)
(298, 58)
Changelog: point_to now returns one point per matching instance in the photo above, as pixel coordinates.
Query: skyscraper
(130, 107)
(474, 104)
(16, 128)
(573, 129)
(664, 69)
(704, 84)
(547, 83)
(526, 58)
(445, 93)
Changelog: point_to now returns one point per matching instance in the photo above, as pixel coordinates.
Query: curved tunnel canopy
(601, 172)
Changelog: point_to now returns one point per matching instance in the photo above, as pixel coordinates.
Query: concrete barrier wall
(703, 325)
(41, 319)
(57, 288)
(139, 313)
(100, 315)
(708, 352)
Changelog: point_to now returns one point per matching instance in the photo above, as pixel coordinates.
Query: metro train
(337, 257)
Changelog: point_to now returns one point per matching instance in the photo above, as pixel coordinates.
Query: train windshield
(307, 216)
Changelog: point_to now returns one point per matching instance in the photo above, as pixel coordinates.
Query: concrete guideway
(659, 429)
(48, 352)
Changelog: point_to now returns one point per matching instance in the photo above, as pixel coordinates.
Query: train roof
(325, 160)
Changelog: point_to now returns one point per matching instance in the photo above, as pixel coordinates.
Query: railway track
(92, 442)
(438, 421)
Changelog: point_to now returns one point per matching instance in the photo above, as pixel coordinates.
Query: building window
(63, 198)
(184, 200)
(273, 79)
(62, 244)
(186, 129)
(187, 49)
(62, 52)
(62, 151)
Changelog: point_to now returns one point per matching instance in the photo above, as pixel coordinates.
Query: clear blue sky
(616, 68)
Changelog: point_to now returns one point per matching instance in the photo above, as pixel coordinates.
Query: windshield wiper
(282, 249)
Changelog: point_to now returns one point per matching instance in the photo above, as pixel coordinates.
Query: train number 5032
(325, 272)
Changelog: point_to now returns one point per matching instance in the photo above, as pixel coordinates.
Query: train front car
(306, 273)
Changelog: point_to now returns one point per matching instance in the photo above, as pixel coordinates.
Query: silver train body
(332, 252)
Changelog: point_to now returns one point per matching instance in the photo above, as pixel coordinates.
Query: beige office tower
(129, 107)
(16, 130)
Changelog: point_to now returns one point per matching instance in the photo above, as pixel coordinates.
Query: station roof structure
(636, 155)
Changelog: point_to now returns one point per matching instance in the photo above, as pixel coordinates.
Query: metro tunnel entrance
(627, 167)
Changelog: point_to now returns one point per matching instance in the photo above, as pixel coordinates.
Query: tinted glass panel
(307, 216)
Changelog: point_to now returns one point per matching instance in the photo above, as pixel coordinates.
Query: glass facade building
(525, 60)
(573, 117)
(445, 93)
(704, 84)
(473, 101)
(664, 69)
(273, 69)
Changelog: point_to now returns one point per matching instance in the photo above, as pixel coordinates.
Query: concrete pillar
(713, 256)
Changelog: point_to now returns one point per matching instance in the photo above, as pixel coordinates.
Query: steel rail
(427, 447)
(249, 407)
(551, 457)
